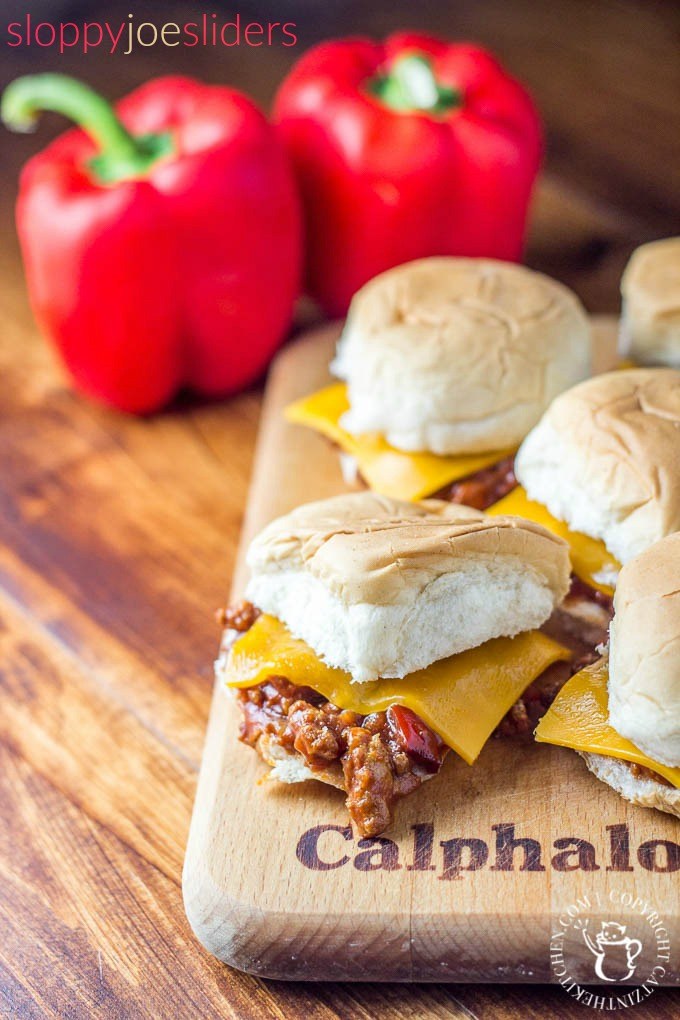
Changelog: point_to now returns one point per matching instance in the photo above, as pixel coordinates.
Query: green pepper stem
(411, 85)
(119, 155)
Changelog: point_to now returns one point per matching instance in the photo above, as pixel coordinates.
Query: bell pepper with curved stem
(410, 148)
(162, 241)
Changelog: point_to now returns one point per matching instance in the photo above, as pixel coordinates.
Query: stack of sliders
(446, 364)
(622, 714)
(379, 634)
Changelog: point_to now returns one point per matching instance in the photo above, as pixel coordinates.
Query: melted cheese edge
(579, 718)
(386, 470)
(414, 476)
(462, 698)
(589, 556)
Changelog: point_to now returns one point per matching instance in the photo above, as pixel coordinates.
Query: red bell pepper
(162, 245)
(405, 149)
(416, 738)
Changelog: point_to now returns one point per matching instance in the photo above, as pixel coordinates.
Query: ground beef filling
(386, 755)
(239, 617)
(582, 635)
(580, 590)
(482, 489)
(383, 756)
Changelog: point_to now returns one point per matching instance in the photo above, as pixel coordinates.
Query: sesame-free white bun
(650, 318)
(644, 791)
(605, 458)
(381, 588)
(459, 355)
(644, 652)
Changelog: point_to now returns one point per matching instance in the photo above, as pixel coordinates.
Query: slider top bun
(457, 355)
(644, 652)
(381, 588)
(605, 458)
(650, 288)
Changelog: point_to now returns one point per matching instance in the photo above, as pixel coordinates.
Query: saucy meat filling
(384, 756)
(482, 489)
(582, 636)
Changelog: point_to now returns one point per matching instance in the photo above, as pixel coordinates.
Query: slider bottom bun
(643, 789)
(289, 766)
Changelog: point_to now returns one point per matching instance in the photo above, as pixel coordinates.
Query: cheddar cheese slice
(462, 698)
(414, 476)
(579, 718)
(590, 559)
(387, 471)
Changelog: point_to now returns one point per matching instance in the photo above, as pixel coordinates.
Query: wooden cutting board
(483, 865)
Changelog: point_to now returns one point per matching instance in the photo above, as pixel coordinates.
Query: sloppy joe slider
(379, 634)
(446, 364)
(602, 469)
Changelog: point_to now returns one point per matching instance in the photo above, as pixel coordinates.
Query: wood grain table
(117, 539)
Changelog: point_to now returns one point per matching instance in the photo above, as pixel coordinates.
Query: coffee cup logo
(614, 951)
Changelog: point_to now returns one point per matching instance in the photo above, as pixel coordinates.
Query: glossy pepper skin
(391, 170)
(178, 273)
